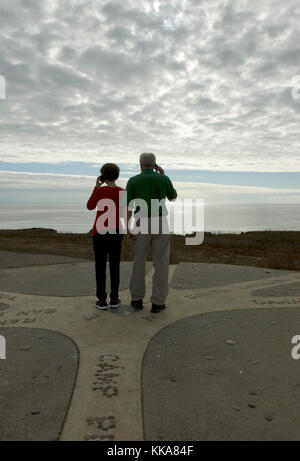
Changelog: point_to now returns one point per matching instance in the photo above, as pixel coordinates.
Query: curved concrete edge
(107, 399)
(24, 375)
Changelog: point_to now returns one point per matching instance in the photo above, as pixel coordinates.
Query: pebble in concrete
(230, 342)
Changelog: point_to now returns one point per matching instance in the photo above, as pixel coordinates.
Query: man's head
(147, 160)
(110, 171)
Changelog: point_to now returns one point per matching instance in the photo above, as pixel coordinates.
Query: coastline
(269, 249)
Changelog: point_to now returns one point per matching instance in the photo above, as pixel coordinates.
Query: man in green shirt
(152, 187)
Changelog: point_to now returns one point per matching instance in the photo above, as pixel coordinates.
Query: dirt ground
(272, 249)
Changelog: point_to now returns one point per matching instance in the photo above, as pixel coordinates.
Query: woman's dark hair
(110, 171)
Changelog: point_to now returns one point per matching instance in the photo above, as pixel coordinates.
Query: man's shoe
(101, 306)
(138, 305)
(156, 308)
(114, 303)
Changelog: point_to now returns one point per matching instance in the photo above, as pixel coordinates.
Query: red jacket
(105, 192)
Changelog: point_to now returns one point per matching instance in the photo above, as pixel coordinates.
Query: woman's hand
(99, 182)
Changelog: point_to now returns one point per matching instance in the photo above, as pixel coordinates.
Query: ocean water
(217, 217)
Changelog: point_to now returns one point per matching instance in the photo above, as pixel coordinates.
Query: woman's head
(110, 171)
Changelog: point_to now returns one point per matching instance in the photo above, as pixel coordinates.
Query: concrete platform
(64, 279)
(106, 403)
(202, 275)
(10, 259)
(288, 289)
(205, 389)
(36, 382)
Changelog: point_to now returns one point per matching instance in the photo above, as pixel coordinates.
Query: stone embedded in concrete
(190, 276)
(36, 382)
(236, 398)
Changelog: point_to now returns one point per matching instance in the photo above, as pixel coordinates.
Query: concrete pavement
(113, 388)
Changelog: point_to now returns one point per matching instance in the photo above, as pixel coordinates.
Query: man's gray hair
(147, 159)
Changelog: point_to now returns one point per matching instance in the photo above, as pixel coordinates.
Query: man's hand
(99, 183)
(131, 236)
(160, 170)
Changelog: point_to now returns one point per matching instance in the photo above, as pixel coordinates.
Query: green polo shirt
(149, 185)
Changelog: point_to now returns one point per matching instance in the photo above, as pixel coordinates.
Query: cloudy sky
(206, 85)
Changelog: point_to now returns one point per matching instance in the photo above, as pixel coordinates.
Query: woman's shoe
(101, 306)
(114, 303)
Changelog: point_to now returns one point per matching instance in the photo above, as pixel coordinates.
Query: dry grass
(272, 249)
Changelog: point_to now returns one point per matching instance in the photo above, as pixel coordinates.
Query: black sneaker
(138, 305)
(156, 308)
(114, 303)
(101, 306)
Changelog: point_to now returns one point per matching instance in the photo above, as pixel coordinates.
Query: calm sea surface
(218, 218)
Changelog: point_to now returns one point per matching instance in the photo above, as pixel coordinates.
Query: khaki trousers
(160, 244)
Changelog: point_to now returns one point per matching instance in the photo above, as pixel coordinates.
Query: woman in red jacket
(107, 233)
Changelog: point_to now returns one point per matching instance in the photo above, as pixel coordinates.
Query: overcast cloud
(54, 188)
(204, 84)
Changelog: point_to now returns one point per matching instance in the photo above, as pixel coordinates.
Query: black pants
(107, 245)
